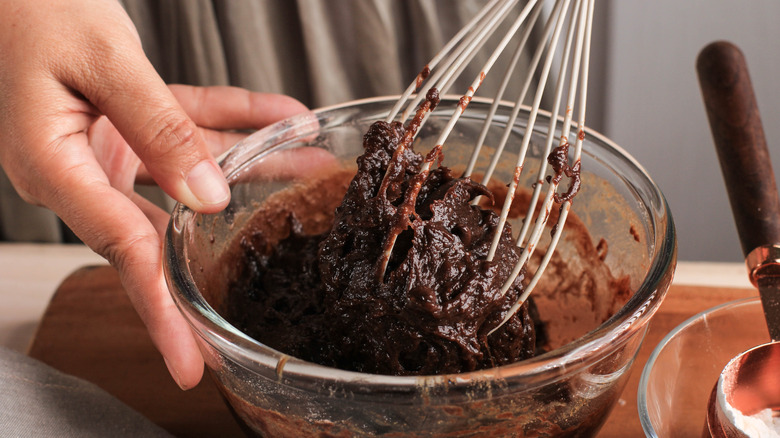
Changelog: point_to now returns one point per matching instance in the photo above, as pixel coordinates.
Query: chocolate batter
(400, 284)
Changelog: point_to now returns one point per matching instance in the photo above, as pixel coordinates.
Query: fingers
(115, 227)
(220, 111)
(125, 87)
(224, 108)
(154, 214)
(62, 64)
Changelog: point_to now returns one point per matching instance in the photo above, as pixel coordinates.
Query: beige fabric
(320, 51)
(39, 401)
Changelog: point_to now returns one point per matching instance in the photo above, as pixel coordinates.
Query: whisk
(565, 56)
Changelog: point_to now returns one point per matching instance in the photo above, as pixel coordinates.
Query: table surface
(30, 274)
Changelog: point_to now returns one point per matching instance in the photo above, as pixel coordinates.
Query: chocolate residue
(634, 233)
(559, 160)
(602, 248)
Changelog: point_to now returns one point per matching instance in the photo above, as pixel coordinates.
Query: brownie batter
(400, 283)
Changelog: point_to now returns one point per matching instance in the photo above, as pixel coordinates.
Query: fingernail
(206, 182)
(175, 375)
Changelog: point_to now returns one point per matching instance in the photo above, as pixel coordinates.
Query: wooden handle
(739, 140)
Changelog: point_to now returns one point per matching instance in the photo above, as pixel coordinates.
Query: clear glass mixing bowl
(568, 391)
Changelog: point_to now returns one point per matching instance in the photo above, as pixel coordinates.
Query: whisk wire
(499, 97)
(481, 76)
(454, 56)
(563, 140)
(450, 63)
(560, 7)
(434, 62)
(581, 65)
(459, 58)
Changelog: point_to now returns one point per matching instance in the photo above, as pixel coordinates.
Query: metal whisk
(567, 54)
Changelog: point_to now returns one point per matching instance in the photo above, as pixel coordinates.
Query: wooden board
(90, 330)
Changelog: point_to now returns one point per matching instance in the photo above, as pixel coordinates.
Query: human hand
(83, 115)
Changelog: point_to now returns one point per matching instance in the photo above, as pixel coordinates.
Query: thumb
(142, 108)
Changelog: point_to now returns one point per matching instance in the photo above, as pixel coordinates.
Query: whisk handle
(736, 128)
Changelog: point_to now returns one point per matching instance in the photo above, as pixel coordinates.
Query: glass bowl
(681, 372)
(567, 391)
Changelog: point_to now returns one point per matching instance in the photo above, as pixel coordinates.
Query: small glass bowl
(681, 372)
(568, 391)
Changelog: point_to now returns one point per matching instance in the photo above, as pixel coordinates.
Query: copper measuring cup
(750, 383)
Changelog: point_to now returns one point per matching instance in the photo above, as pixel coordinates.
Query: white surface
(715, 274)
(30, 273)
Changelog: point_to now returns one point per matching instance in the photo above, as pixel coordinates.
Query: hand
(83, 113)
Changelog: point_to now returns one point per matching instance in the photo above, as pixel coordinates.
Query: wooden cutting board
(90, 330)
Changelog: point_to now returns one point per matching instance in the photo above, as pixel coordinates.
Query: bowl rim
(530, 372)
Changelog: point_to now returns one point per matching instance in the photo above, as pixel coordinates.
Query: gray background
(646, 98)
